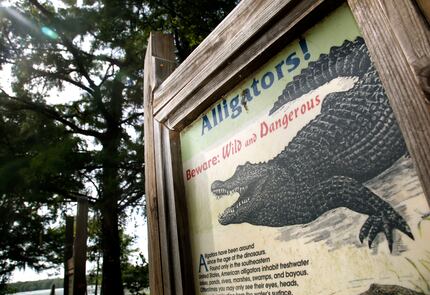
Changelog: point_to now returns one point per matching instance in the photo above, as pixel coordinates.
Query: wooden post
(68, 252)
(80, 249)
(52, 290)
(159, 63)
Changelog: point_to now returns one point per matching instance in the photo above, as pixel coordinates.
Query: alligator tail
(351, 59)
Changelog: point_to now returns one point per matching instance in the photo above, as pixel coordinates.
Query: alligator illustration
(352, 140)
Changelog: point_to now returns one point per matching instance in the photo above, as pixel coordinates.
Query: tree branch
(77, 58)
(49, 112)
(64, 78)
(105, 58)
(74, 195)
(72, 48)
(106, 75)
(130, 200)
(132, 117)
(99, 192)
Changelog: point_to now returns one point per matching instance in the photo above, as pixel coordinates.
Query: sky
(136, 225)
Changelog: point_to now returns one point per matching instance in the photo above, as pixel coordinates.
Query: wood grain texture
(172, 213)
(398, 39)
(227, 40)
(177, 198)
(403, 16)
(168, 160)
(163, 214)
(159, 61)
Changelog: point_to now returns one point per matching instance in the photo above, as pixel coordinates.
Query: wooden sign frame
(398, 39)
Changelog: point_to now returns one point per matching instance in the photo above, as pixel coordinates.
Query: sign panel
(298, 181)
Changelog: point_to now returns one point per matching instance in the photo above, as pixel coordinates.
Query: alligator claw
(375, 230)
(364, 232)
(385, 223)
(389, 235)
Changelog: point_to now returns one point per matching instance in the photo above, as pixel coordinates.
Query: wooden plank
(181, 263)
(227, 40)
(403, 16)
(80, 249)
(68, 251)
(163, 214)
(388, 27)
(172, 213)
(177, 113)
(159, 63)
(154, 259)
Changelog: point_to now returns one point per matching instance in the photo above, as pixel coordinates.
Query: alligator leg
(340, 191)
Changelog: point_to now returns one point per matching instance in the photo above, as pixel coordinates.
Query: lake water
(58, 291)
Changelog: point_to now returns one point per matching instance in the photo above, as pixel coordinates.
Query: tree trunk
(111, 277)
(111, 193)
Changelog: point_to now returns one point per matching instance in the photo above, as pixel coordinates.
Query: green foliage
(136, 276)
(189, 21)
(32, 176)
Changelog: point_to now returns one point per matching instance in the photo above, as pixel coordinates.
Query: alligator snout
(218, 189)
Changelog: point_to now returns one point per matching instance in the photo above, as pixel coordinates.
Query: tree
(97, 48)
(34, 170)
(134, 267)
(136, 276)
(188, 21)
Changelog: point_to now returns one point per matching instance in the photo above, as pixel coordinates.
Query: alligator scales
(352, 140)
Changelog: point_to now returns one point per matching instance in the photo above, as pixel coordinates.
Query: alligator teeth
(232, 210)
(220, 192)
(241, 202)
